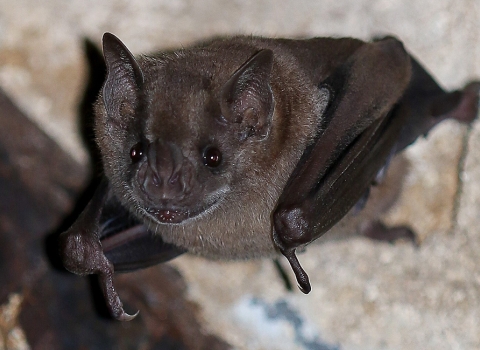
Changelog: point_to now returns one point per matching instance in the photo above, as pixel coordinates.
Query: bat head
(177, 130)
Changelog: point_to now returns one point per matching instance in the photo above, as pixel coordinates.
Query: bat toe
(378, 231)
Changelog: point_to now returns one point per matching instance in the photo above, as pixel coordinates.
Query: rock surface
(365, 295)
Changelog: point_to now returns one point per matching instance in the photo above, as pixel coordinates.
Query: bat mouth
(174, 215)
(169, 216)
(169, 213)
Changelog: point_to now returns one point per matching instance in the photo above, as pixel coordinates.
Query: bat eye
(212, 157)
(136, 152)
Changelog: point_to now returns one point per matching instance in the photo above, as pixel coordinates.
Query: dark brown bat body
(246, 147)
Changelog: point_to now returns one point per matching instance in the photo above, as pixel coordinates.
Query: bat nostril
(164, 183)
(174, 178)
(156, 181)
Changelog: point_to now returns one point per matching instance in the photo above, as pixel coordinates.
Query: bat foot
(377, 231)
(467, 109)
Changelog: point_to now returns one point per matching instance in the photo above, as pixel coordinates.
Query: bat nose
(166, 175)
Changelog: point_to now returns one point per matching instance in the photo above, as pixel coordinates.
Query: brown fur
(175, 88)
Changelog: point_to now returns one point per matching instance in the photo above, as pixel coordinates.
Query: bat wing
(383, 100)
(360, 131)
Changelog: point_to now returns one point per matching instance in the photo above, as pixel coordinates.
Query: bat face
(176, 163)
(172, 143)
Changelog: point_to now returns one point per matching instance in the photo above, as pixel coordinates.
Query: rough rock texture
(365, 295)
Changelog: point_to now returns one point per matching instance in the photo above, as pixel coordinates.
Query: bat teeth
(168, 215)
(177, 215)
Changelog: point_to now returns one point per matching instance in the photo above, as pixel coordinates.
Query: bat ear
(247, 98)
(124, 77)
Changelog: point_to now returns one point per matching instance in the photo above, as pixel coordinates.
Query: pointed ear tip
(110, 39)
(107, 36)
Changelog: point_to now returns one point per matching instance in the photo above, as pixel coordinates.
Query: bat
(246, 147)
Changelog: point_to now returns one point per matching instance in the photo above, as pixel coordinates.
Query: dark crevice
(460, 170)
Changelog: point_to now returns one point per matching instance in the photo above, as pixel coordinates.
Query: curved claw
(114, 304)
(127, 317)
(82, 252)
(303, 281)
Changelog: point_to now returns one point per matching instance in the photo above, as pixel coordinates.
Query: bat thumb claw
(305, 288)
(114, 304)
(126, 317)
(303, 281)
